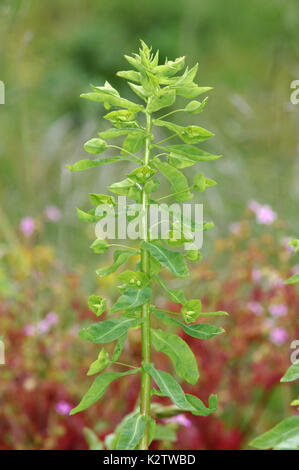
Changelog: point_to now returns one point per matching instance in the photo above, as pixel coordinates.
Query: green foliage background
(51, 51)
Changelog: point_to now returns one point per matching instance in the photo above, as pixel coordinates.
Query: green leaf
(178, 181)
(132, 143)
(196, 107)
(164, 98)
(98, 388)
(182, 156)
(284, 436)
(136, 279)
(119, 348)
(292, 373)
(92, 439)
(131, 432)
(164, 433)
(191, 310)
(192, 91)
(108, 330)
(179, 352)
(120, 116)
(122, 187)
(88, 216)
(198, 408)
(170, 68)
(99, 246)
(98, 199)
(95, 146)
(167, 385)
(130, 75)
(110, 97)
(87, 163)
(293, 279)
(97, 304)
(189, 134)
(200, 331)
(175, 295)
(294, 242)
(142, 174)
(201, 183)
(119, 258)
(193, 255)
(132, 298)
(114, 133)
(172, 260)
(100, 363)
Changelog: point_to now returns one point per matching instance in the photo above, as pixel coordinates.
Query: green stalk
(145, 392)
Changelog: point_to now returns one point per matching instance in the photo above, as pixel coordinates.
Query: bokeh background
(49, 53)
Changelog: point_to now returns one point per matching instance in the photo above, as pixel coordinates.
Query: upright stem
(145, 393)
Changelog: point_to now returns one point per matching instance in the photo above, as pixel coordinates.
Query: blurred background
(49, 53)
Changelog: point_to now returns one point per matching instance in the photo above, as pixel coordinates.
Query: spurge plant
(157, 86)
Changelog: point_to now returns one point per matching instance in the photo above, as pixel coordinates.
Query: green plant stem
(145, 392)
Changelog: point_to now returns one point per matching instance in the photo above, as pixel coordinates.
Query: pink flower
(180, 419)
(255, 307)
(63, 407)
(278, 310)
(27, 226)
(265, 215)
(254, 206)
(278, 336)
(256, 275)
(45, 325)
(52, 213)
(52, 318)
(29, 330)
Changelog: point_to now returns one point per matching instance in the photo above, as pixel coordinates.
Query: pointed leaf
(114, 133)
(108, 330)
(198, 408)
(93, 441)
(179, 352)
(293, 279)
(167, 385)
(284, 436)
(200, 331)
(119, 258)
(119, 348)
(172, 260)
(100, 363)
(131, 432)
(165, 97)
(98, 388)
(292, 373)
(175, 295)
(178, 181)
(87, 163)
(196, 107)
(132, 298)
